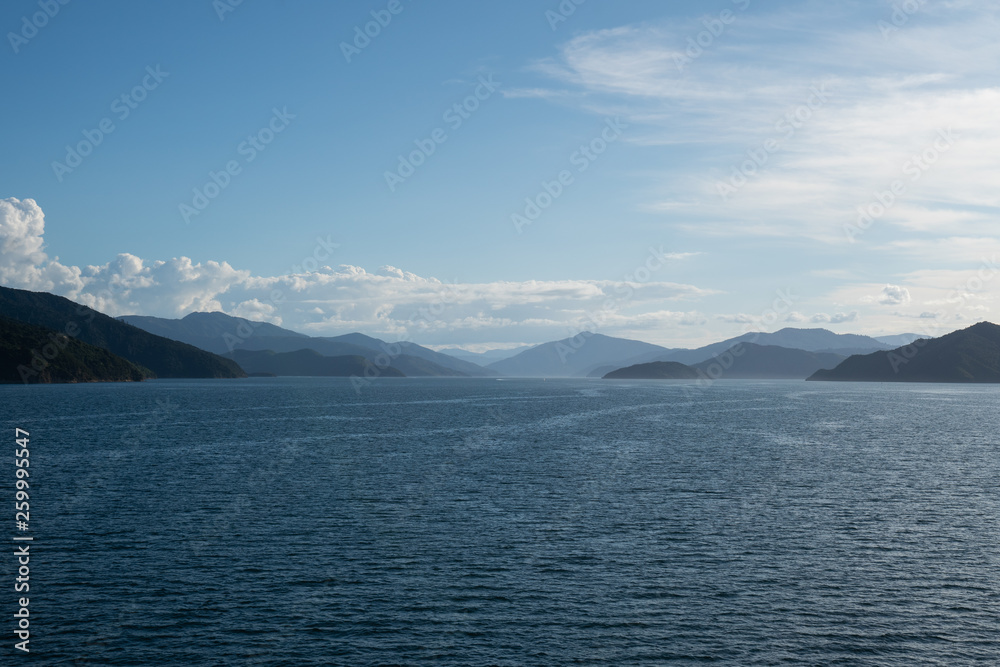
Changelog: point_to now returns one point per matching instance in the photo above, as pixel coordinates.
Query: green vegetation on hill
(33, 354)
(656, 370)
(968, 355)
(759, 362)
(166, 358)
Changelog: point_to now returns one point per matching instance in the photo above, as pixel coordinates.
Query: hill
(208, 331)
(752, 361)
(165, 358)
(484, 358)
(34, 355)
(221, 334)
(899, 340)
(307, 363)
(575, 357)
(967, 355)
(810, 340)
(656, 370)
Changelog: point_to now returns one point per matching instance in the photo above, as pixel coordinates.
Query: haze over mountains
(85, 345)
(221, 334)
(595, 355)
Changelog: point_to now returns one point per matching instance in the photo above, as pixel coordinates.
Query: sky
(488, 175)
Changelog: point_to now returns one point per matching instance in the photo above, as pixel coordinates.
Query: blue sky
(731, 145)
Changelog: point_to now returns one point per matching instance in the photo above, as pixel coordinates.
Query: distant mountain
(968, 355)
(307, 363)
(574, 357)
(752, 361)
(208, 330)
(899, 340)
(33, 354)
(221, 334)
(656, 370)
(484, 358)
(462, 367)
(166, 358)
(811, 340)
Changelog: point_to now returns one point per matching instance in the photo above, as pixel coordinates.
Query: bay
(512, 522)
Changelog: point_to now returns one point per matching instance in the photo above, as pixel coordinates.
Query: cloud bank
(389, 302)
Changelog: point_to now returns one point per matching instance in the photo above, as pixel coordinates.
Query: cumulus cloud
(388, 302)
(838, 318)
(894, 295)
(25, 264)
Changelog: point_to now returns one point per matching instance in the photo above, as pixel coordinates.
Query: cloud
(25, 264)
(389, 302)
(838, 318)
(894, 295)
(848, 111)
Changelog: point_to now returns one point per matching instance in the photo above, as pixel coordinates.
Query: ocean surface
(286, 521)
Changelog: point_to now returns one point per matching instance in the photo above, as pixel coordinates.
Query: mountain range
(223, 334)
(34, 355)
(158, 356)
(967, 355)
(308, 363)
(79, 344)
(743, 361)
(596, 355)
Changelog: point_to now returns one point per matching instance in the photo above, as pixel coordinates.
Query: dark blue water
(454, 522)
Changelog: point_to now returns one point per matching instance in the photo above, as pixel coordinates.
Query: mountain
(752, 361)
(484, 358)
(33, 354)
(656, 370)
(462, 367)
(165, 358)
(899, 340)
(575, 357)
(810, 340)
(209, 331)
(221, 334)
(967, 355)
(307, 363)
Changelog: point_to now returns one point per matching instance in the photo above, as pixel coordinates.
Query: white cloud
(884, 102)
(838, 318)
(25, 264)
(389, 302)
(894, 295)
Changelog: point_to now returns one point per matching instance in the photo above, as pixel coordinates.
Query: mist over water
(293, 521)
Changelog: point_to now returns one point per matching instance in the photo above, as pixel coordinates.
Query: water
(292, 521)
